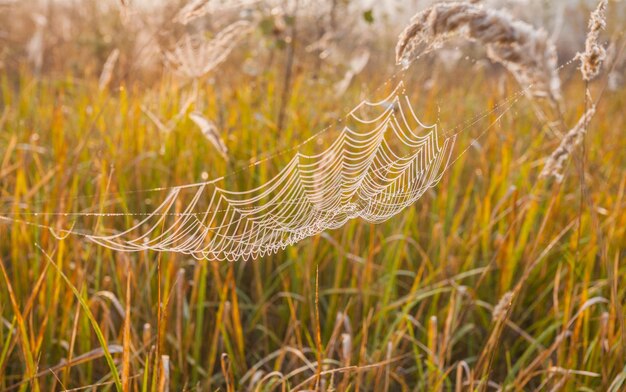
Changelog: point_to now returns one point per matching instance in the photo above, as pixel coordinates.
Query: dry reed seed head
(164, 382)
(355, 67)
(343, 318)
(36, 45)
(192, 10)
(107, 69)
(593, 56)
(147, 334)
(198, 8)
(106, 282)
(604, 327)
(555, 163)
(256, 378)
(359, 61)
(194, 56)
(389, 350)
(503, 306)
(125, 11)
(180, 284)
(525, 51)
(210, 131)
(225, 360)
(347, 324)
(339, 318)
(346, 346)
(227, 309)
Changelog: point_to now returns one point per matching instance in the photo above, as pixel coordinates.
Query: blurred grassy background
(405, 305)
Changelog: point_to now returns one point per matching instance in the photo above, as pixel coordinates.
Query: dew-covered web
(380, 159)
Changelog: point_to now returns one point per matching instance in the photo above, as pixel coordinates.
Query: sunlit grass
(405, 305)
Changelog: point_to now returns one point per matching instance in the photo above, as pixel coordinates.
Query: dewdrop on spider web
(382, 160)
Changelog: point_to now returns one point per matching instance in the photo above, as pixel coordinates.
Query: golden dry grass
(485, 282)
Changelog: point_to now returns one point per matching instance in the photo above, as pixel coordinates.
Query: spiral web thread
(382, 160)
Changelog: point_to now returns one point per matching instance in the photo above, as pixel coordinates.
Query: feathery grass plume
(192, 10)
(503, 306)
(554, 164)
(35, 46)
(593, 56)
(210, 131)
(346, 347)
(107, 69)
(168, 126)
(124, 10)
(614, 66)
(164, 379)
(525, 51)
(355, 67)
(198, 8)
(615, 81)
(194, 56)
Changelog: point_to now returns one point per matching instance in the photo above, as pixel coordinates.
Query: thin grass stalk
(289, 64)
(22, 335)
(227, 372)
(180, 298)
(94, 324)
(318, 332)
(157, 367)
(126, 338)
(432, 349)
(73, 336)
(500, 316)
(10, 343)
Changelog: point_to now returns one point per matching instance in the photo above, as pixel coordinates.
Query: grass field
(495, 279)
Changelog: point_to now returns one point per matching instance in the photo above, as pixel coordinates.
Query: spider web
(382, 160)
